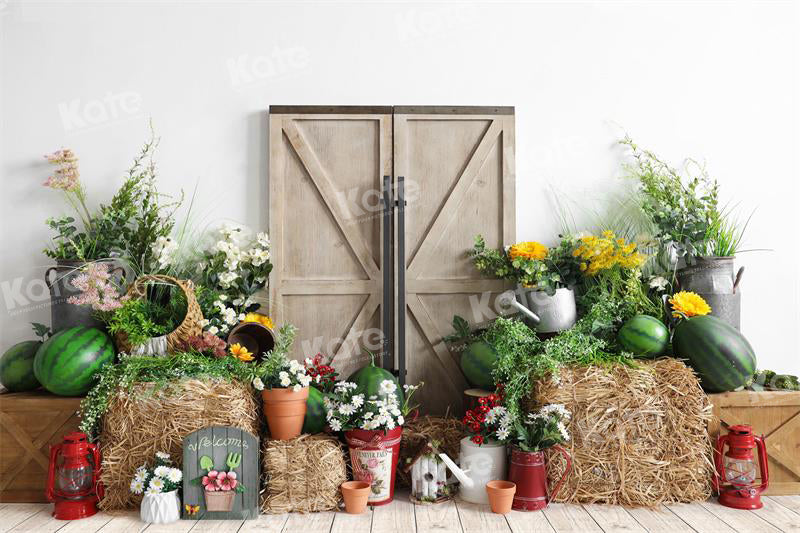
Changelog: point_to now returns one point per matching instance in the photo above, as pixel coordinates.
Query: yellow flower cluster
(528, 250)
(688, 304)
(606, 252)
(264, 320)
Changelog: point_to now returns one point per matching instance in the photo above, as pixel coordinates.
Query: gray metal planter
(714, 280)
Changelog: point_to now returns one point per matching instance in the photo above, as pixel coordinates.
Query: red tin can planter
(529, 471)
(374, 455)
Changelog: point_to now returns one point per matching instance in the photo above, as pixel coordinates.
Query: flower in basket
(159, 478)
(347, 409)
(323, 375)
(539, 430)
(489, 420)
(686, 304)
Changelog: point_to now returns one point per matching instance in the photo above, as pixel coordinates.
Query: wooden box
(776, 415)
(29, 423)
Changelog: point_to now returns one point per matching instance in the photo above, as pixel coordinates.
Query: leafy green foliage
(42, 331)
(276, 360)
(542, 429)
(158, 371)
(160, 313)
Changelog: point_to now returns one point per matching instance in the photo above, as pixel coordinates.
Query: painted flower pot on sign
(529, 471)
(221, 500)
(482, 464)
(285, 410)
(163, 508)
(374, 456)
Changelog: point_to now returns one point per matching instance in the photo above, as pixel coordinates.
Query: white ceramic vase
(161, 508)
(482, 464)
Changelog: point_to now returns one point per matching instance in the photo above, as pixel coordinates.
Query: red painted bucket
(529, 471)
(374, 456)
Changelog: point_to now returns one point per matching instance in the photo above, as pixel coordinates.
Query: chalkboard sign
(223, 449)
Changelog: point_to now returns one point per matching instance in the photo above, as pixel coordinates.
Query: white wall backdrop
(713, 80)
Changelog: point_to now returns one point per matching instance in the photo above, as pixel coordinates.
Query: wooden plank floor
(780, 513)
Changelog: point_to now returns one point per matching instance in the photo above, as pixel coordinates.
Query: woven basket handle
(138, 288)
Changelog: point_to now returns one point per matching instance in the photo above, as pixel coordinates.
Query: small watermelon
(644, 336)
(369, 379)
(315, 412)
(719, 354)
(477, 363)
(67, 362)
(16, 367)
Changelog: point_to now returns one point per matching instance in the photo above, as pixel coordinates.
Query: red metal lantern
(736, 470)
(73, 479)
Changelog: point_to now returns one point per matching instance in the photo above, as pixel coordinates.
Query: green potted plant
(544, 276)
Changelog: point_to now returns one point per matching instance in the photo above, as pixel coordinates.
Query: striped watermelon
(477, 363)
(16, 367)
(369, 378)
(315, 412)
(719, 354)
(67, 362)
(644, 336)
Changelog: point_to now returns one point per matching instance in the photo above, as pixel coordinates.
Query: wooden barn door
(326, 172)
(457, 170)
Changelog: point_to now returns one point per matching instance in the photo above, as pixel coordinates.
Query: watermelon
(721, 356)
(67, 362)
(644, 336)
(368, 380)
(477, 363)
(16, 367)
(315, 412)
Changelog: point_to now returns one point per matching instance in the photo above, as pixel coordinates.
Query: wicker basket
(191, 322)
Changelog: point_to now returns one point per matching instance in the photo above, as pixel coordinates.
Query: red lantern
(736, 470)
(73, 479)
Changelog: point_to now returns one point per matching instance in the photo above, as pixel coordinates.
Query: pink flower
(372, 463)
(66, 176)
(96, 288)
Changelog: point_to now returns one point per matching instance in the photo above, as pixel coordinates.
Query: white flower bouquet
(160, 478)
(537, 431)
(348, 409)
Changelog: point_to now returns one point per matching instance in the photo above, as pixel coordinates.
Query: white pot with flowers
(159, 484)
(372, 427)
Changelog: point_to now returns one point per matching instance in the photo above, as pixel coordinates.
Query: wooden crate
(29, 423)
(774, 414)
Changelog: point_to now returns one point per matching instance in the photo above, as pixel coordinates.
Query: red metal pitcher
(528, 470)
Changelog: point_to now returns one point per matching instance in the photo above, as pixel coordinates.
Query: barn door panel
(326, 171)
(457, 170)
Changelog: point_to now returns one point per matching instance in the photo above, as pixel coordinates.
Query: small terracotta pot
(221, 500)
(285, 410)
(501, 495)
(355, 495)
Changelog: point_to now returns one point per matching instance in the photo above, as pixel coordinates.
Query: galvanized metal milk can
(713, 279)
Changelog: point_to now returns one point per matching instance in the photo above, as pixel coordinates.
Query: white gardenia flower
(335, 425)
(258, 384)
(304, 380)
(203, 323)
(285, 382)
(297, 388)
(213, 330)
(387, 387)
(658, 282)
(263, 239)
(175, 475)
(259, 256)
(401, 420)
(161, 471)
(137, 486)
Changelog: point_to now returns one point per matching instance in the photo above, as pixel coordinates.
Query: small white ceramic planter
(482, 464)
(163, 508)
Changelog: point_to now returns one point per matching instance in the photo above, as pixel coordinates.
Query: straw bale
(142, 422)
(302, 474)
(639, 435)
(447, 431)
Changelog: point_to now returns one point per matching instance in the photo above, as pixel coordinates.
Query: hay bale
(639, 435)
(142, 422)
(447, 431)
(302, 474)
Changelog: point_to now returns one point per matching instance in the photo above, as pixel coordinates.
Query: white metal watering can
(481, 464)
(547, 314)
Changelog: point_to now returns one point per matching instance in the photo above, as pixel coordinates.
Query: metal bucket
(713, 279)
(65, 315)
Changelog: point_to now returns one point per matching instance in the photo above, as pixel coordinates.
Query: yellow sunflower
(264, 320)
(688, 304)
(240, 352)
(528, 250)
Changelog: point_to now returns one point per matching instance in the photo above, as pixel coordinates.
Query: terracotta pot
(356, 494)
(221, 500)
(374, 455)
(501, 495)
(285, 410)
(529, 471)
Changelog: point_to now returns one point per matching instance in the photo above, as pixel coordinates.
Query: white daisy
(387, 387)
(161, 471)
(335, 425)
(137, 486)
(502, 433)
(156, 483)
(347, 409)
(152, 491)
(175, 475)
(357, 400)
